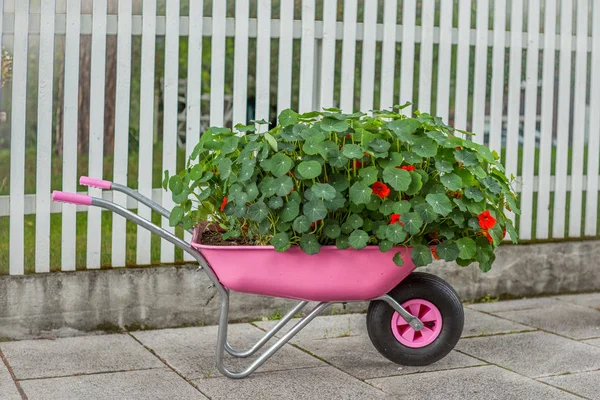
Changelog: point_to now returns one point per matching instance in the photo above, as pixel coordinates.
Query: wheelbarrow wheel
(435, 303)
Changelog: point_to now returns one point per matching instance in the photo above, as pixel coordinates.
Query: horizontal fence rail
(123, 90)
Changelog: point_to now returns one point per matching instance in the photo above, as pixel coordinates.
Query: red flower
(433, 252)
(503, 232)
(357, 164)
(488, 236)
(380, 189)
(394, 218)
(407, 167)
(458, 147)
(486, 221)
(348, 136)
(315, 224)
(223, 204)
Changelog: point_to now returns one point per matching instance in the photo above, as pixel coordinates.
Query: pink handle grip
(72, 198)
(95, 182)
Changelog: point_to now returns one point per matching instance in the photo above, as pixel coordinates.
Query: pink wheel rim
(428, 314)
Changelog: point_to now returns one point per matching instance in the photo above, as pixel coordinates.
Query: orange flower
(223, 204)
(407, 167)
(488, 236)
(433, 252)
(394, 218)
(380, 189)
(486, 221)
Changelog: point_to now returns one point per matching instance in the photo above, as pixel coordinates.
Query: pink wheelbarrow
(413, 318)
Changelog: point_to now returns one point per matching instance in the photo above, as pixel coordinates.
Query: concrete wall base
(70, 303)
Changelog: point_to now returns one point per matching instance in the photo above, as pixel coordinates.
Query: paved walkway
(523, 349)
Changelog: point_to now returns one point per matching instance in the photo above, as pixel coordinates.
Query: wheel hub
(428, 313)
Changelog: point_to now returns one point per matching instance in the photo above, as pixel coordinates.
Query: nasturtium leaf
(412, 222)
(387, 207)
(312, 145)
(355, 221)
(353, 151)
(271, 140)
(275, 202)
(411, 158)
(401, 207)
(403, 128)
(332, 230)
(224, 168)
(485, 257)
(309, 244)
(368, 225)
(334, 125)
(342, 242)
(346, 228)
(338, 202)
(264, 227)
(373, 203)
(251, 191)
(356, 208)
(165, 182)
(398, 259)
(315, 210)
(395, 159)
(474, 194)
(283, 185)
(458, 218)
(380, 145)
(421, 255)
(230, 144)
(447, 250)
(358, 239)
(309, 169)
(416, 183)
(181, 197)
(426, 212)
(258, 212)
(176, 185)
(337, 159)
(195, 172)
(475, 207)
(323, 191)
(281, 164)
(424, 147)
(281, 241)
(466, 157)
(339, 182)
(399, 179)
(492, 185)
(478, 171)
(288, 117)
(301, 224)
(360, 193)
(451, 181)
(512, 232)
(368, 175)
(385, 245)
(175, 216)
(443, 166)
(395, 233)
(440, 203)
(381, 231)
(289, 211)
(246, 173)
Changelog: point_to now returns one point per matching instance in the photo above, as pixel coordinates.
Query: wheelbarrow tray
(330, 275)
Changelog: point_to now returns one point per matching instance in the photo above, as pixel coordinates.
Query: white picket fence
(532, 85)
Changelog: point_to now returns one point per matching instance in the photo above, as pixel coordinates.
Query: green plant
(350, 180)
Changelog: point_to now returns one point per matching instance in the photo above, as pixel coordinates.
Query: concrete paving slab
(591, 300)
(534, 354)
(357, 356)
(149, 384)
(584, 384)
(511, 305)
(574, 321)
(77, 355)
(8, 389)
(324, 327)
(486, 383)
(481, 324)
(593, 342)
(191, 351)
(307, 383)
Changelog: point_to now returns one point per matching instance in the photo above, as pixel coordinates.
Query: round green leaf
(224, 168)
(403, 128)
(443, 166)
(342, 242)
(332, 230)
(290, 210)
(424, 147)
(195, 172)
(399, 179)
(301, 224)
(416, 183)
(385, 245)
(355, 221)
(395, 233)
(353, 151)
(380, 145)
(281, 164)
(334, 125)
(360, 193)
(315, 210)
(387, 207)
(368, 175)
(176, 216)
(288, 117)
(447, 250)
(412, 222)
(466, 157)
(398, 259)
(451, 181)
(421, 255)
(426, 212)
(337, 159)
(176, 185)
(275, 203)
(281, 241)
(283, 185)
(359, 239)
(338, 202)
(309, 169)
(323, 191)
(466, 247)
(258, 212)
(309, 244)
(474, 194)
(440, 203)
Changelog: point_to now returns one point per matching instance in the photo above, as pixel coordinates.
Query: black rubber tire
(417, 285)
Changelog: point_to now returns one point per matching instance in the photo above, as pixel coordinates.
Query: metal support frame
(222, 344)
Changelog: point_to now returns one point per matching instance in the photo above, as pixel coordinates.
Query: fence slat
(591, 199)
(263, 60)
(96, 140)
(194, 88)
(547, 116)
(497, 84)
(240, 72)
(409, 14)
(426, 56)
(480, 82)
(348, 57)
(286, 47)
(17, 140)
(579, 114)
(121, 141)
(462, 64)
(562, 124)
(143, 251)
(307, 56)
(514, 90)
(444, 60)
(217, 72)
(170, 101)
(367, 79)
(530, 129)
(328, 56)
(44, 137)
(388, 54)
(70, 104)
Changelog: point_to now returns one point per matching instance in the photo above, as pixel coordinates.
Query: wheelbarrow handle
(95, 182)
(71, 198)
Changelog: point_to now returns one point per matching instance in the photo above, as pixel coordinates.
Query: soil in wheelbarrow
(215, 238)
